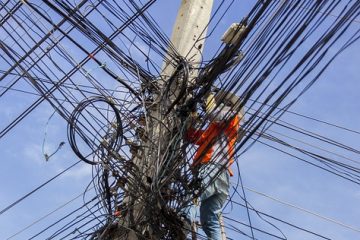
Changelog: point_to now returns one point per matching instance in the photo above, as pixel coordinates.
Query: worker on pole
(213, 158)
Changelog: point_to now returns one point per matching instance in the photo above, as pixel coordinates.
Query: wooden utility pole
(189, 32)
(187, 42)
(188, 39)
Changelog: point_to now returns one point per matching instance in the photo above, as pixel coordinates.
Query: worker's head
(229, 100)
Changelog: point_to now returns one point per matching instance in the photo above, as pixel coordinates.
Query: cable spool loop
(108, 138)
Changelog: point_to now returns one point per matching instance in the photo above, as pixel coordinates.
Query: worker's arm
(193, 135)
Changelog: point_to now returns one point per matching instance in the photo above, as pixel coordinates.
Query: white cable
(304, 210)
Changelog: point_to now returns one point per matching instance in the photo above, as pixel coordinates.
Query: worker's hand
(194, 119)
(194, 115)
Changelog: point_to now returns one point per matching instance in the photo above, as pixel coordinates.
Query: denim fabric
(212, 199)
(215, 181)
(191, 212)
(210, 212)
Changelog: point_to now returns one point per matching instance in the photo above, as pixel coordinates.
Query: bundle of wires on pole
(98, 65)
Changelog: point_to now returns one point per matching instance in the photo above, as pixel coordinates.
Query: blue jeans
(210, 212)
(212, 200)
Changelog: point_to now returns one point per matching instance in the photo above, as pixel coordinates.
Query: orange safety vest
(206, 139)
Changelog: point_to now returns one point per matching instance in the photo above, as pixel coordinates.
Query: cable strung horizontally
(98, 64)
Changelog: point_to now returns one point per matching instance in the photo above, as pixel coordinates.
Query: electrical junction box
(233, 33)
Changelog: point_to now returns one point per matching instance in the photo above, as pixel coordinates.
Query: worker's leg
(210, 210)
(190, 212)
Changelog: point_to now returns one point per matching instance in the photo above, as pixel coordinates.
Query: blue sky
(334, 99)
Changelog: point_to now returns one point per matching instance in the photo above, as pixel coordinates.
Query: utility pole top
(189, 33)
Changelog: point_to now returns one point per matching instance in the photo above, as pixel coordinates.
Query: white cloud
(32, 152)
(357, 195)
(79, 172)
(6, 113)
